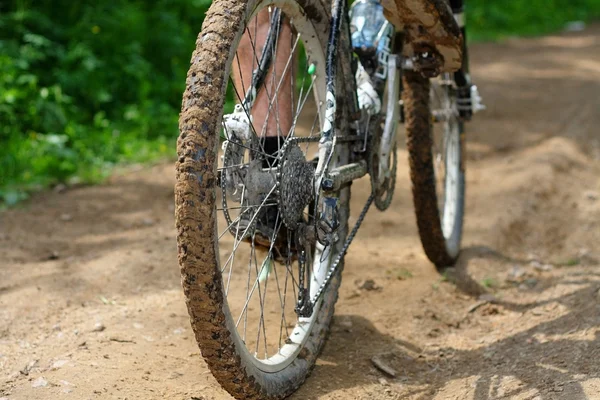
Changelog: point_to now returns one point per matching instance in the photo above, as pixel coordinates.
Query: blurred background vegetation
(90, 84)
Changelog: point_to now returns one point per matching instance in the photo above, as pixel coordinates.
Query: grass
(36, 164)
(401, 274)
(571, 262)
(489, 283)
(446, 276)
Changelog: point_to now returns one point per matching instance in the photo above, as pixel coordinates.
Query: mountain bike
(263, 224)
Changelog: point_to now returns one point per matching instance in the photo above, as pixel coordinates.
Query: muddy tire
(439, 212)
(222, 346)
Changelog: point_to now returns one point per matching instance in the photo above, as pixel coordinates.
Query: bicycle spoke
(261, 321)
(285, 70)
(311, 131)
(246, 207)
(237, 231)
(293, 128)
(262, 153)
(231, 166)
(251, 258)
(249, 294)
(282, 303)
(237, 242)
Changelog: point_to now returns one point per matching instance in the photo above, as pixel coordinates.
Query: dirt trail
(91, 306)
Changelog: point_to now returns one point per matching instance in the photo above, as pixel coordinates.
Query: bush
(489, 19)
(89, 84)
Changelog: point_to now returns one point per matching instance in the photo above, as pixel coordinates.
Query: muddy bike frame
(328, 181)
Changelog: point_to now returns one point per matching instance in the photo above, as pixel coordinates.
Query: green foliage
(571, 262)
(487, 19)
(86, 85)
(400, 274)
(89, 84)
(489, 283)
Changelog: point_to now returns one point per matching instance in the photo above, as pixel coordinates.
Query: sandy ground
(91, 305)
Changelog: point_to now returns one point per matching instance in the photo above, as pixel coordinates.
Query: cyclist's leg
(272, 112)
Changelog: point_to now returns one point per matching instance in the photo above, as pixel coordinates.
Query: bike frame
(329, 181)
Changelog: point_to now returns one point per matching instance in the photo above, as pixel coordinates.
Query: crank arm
(388, 138)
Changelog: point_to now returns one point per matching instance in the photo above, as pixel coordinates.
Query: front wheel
(435, 143)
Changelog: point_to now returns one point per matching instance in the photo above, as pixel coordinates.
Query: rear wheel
(243, 211)
(435, 143)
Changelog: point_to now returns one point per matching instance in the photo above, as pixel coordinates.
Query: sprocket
(295, 179)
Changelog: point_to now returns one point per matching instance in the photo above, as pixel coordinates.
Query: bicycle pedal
(476, 100)
(469, 102)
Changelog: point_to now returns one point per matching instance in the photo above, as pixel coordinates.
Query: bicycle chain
(334, 267)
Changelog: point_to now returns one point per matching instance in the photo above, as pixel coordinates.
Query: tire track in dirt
(91, 305)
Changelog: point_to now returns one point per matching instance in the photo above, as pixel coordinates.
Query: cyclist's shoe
(469, 100)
